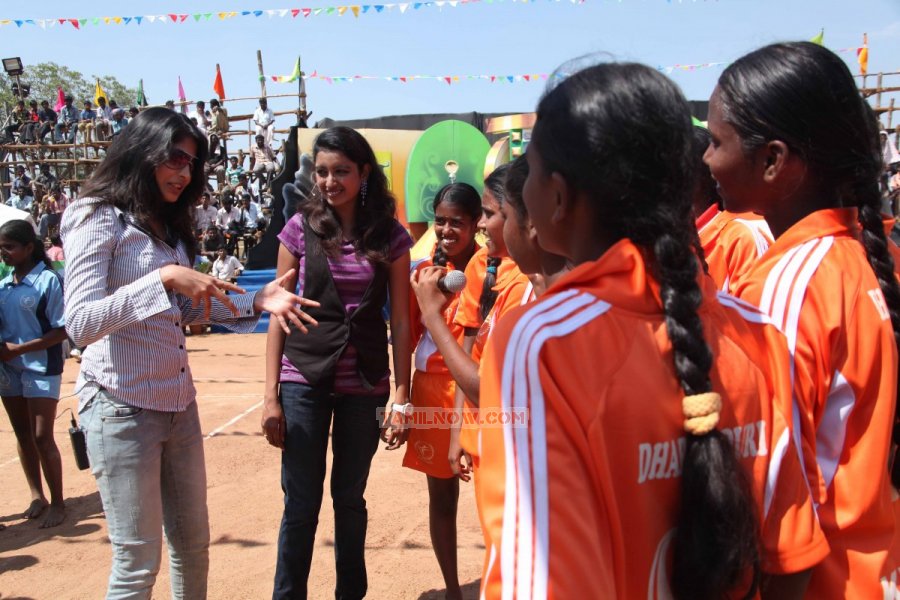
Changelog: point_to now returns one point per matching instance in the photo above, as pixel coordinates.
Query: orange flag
(218, 86)
(862, 55)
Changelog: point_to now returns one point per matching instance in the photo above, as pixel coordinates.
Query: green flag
(141, 98)
(820, 38)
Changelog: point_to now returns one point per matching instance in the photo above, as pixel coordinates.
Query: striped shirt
(116, 305)
(352, 274)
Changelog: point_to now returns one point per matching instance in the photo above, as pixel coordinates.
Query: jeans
(355, 433)
(151, 475)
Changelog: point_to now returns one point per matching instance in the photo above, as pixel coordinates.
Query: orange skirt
(428, 445)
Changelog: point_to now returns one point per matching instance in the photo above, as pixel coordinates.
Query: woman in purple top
(349, 253)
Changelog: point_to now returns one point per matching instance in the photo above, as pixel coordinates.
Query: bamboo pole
(890, 73)
(879, 87)
(262, 74)
(867, 92)
(890, 117)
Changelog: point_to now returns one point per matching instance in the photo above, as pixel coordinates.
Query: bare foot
(35, 509)
(55, 516)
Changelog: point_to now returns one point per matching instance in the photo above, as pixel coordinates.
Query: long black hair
(621, 135)
(514, 184)
(495, 184)
(804, 95)
(374, 220)
(22, 232)
(127, 176)
(463, 196)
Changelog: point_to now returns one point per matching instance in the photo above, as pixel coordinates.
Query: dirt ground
(245, 500)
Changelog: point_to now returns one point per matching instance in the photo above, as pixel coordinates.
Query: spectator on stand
(215, 163)
(133, 112)
(22, 191)
(28, 133)
(48, 118)
(53, 206)
(86, 122)
(55, 251)
(264, 119)
(19, 119)
(226, 267)
(67, 123)
(210, 242)
(104, 116)
(44, 182)
(233, 172)
(200, 115)
(262, 160)
(218, 119)
(170, 104)
(118, 122)
(204, 214)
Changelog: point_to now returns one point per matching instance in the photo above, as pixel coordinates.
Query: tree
(45, 78)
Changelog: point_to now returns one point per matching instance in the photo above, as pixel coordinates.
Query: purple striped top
(352, 274)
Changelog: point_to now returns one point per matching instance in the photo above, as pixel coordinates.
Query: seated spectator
(55, 251)
(216, 160)
(48, 118)
(67, 122)
(44, 182)
(210, 242)
(204, 214)
(233, 172)
(133, 112)
(251, 214)
(170, 104)
(262, 160)
(52, 206)
(22, 192)
(200, 115)
(244, 186)
(118, 122)
(101, 123)
(86, 122)
(218, 124)
(226, 267)
(19, 120)
(28, 133)
(229, 216)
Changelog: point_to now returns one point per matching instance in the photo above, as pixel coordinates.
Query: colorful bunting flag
(294, 76)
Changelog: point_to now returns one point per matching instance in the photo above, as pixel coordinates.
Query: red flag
(218, 86)
(60, 99)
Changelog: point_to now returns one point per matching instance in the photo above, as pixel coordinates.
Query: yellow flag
(819, 38)
(98, 91)
(862, 55)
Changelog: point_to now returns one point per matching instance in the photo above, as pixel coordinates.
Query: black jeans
(308, 414)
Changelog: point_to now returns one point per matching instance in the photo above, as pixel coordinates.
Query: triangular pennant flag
(183, 18)
(42, 24)
(403, 8)
(118, 20)
(355, 10)
(306, 12)
(294, 76)
(295, 12)
(174, 18)
(218, 86)
(83, 22)
(207, 16)
(448, 79)
(197, 17)
(341, 10)
(62, 21)
(245, 13)
(283, 12)
(96, 20)
(330, 10)
(366, 7)
(417, 5)
(403, 79)
(223, 15)
(493, 78)
(379, 7)
(819, 38)
(526, 77)
(127, 20)
(139, 19)
(106, 20)
(318, 11)
(257, 13)
(511, 78)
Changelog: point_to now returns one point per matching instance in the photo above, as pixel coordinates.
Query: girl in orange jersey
(794, 141)
(656, 443)
(457, 210)
(731, 241)
(503, 287)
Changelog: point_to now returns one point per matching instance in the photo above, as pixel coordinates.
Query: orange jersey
(816, 284)
(731, 242)
(580, 497)
(468, 314)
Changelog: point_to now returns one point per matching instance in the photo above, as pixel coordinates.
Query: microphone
(452, 282)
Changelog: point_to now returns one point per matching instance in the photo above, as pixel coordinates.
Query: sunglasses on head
(179, 159)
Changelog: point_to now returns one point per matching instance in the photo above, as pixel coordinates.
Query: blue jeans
(151, 475)
(308, 414)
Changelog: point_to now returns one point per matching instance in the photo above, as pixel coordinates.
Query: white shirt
(202, 120)
(225, 218)
(227, 269)
(263, 117)
(250, 216)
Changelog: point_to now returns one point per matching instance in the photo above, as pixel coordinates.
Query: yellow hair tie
(701, 412)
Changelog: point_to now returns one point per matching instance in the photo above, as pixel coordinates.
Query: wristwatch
(403, 409)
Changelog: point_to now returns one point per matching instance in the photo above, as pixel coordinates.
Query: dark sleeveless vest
(316, 353)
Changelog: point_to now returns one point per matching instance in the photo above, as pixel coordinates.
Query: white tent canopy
(8, 213)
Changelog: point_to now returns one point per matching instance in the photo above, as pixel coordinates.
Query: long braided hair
(496, 184)
(621, 135)
(804, 95)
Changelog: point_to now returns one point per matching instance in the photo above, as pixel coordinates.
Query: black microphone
(79, 445)
(452, 282)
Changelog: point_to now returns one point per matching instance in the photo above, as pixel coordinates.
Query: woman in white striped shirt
(130, 290)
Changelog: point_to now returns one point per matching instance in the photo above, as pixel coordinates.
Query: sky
(480, 38)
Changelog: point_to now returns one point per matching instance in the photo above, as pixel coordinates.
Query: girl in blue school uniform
(31, 362)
